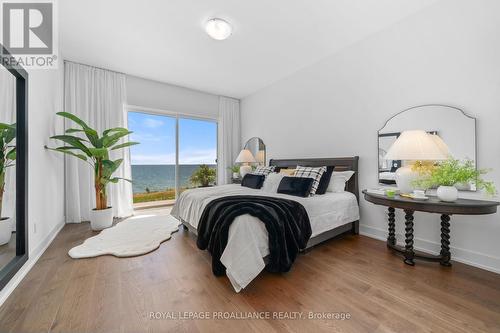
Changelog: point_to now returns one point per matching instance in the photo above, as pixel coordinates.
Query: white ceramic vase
(447, 193)
(236, 175)
(5, 230)
(404, 179)
(244, 169)
(101, 219)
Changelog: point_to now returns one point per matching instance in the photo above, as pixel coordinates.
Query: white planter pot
(447, 193)
(5, 231)
(236, 175)
(101, 219)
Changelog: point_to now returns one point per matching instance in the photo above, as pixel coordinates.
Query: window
(175, 153)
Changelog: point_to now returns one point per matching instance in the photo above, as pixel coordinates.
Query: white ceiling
(164, 40)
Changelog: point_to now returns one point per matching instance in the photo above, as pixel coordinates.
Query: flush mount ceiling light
(218, 29)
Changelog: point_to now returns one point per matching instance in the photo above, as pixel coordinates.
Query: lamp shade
(416, 145)
(245, 156)
(441, 144)
(261, 156)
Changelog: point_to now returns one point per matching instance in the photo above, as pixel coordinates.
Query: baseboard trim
(472, 258)
(33, 258)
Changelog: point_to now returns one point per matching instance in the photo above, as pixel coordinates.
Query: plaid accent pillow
(309, 172)
(263, 170)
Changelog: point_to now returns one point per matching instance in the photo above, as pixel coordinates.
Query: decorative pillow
(325, 180)
(272, 182)
(339, 180)
(309, 172)
(263, 170)
(297, 186)
(288, 172)
(253, 181)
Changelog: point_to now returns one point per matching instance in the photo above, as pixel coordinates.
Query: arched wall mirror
(258, 149)
(13, 168)
(454, 126)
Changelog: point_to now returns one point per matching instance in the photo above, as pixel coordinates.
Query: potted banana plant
(94, 149)
(7, 160)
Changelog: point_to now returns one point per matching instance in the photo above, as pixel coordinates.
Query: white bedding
(248, 240)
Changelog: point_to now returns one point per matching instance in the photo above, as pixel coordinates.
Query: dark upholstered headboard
(340, 164)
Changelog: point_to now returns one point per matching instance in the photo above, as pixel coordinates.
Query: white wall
(446, 54)
(163, 96)
(46, 169)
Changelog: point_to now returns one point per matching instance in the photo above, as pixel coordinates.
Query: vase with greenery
(203, 176)
(235, 169)
(7, 160)
(453, 173)
(86, 144)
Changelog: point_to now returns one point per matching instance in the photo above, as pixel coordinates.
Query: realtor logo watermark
(29, 33)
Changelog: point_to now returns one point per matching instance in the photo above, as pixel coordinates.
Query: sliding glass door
(197, 153)
(175, 153)
(153, 161)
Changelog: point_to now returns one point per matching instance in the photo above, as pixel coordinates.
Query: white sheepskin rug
(132, 237)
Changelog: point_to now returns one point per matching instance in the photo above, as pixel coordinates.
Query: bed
(330, 215)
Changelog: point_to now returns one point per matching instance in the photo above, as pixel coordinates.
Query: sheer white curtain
(229, 139)
(96, 96)
(8, 116)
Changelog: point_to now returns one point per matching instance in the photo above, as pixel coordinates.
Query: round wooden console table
(432, 205)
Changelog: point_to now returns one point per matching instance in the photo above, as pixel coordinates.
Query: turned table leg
(409, 253)
(391, 238)
(445, 240)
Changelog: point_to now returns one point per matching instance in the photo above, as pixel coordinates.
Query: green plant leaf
(11, 155)
(116, 179)
(116, 129)
(93, 137)
(65, 148)
(111, 140)
(126, 144)
(454, 172)
(99, 152)
(109, 167)
(10, 134)
(73, 118)
(73, 141)
(203, 176)
(65, 151)
(74, 130)
(4, 126)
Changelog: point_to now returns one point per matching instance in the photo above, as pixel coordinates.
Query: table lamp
(260, 157)
(412, 146)
(245, 157)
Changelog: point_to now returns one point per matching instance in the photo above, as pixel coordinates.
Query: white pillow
(272, 182)
(339, 180)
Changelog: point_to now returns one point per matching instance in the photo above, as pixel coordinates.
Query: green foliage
(203, 176)
(453, 172)
(168, 194)
(94, 149)
(235, 168)
(7, 154)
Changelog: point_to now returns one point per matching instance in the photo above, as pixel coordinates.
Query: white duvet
(248, 240)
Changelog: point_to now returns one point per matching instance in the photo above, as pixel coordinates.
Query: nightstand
(235, 180)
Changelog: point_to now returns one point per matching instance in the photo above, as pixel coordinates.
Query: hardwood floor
(354, 274)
